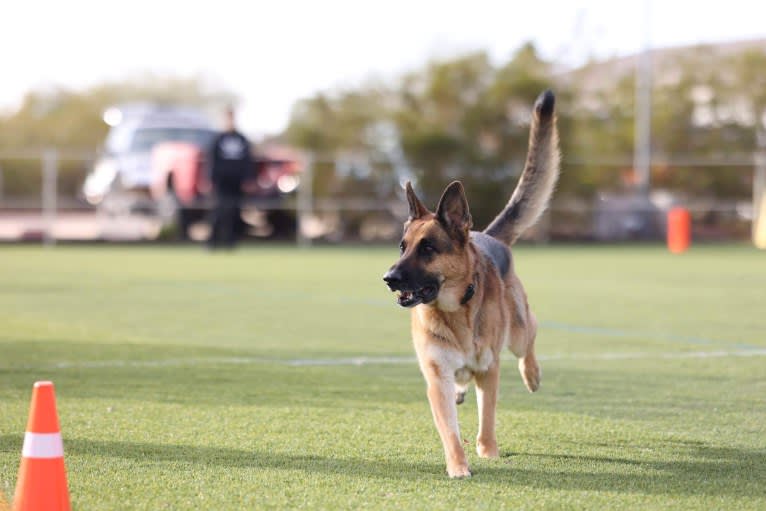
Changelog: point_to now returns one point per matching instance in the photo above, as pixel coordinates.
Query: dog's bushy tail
(538, 179)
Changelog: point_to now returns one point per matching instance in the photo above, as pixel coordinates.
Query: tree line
(467, 118)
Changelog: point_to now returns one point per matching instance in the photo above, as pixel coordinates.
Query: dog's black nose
(392, 276)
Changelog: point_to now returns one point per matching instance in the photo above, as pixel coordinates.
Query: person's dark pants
(226, 218)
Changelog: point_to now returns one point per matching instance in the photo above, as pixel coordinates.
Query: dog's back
(498, 253)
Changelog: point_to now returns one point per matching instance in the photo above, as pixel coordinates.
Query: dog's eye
(426, 247)
(402, 247)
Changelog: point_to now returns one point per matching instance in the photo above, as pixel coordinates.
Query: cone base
(4, 506)
(41, 485)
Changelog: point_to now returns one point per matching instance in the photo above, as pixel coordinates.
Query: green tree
(72, 120)
(467, 118)
(462, 118)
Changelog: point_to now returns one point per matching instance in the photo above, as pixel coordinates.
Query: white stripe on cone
(42, 445)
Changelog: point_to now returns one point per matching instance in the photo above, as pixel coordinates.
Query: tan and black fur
(467, 302)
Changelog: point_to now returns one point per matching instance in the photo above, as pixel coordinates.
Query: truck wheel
(282, 223)
(182, 219)
(173, 215)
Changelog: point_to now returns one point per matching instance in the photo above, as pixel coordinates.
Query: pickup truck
(182, 190)
(153, 162)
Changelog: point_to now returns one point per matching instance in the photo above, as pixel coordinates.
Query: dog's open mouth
(411, 298)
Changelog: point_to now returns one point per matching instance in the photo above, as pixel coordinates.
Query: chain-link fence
(41, 199)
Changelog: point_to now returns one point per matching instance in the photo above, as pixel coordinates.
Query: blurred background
(106, 114)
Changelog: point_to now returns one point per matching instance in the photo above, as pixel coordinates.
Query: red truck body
(181, 167)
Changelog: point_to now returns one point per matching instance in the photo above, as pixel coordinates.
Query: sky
(272, 53)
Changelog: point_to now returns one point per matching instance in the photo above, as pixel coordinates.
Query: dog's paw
(487, 449)
(530, 373)
(459, 472)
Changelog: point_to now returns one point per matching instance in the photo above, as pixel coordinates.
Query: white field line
(373, 360)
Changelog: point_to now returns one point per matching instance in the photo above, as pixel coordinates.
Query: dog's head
(433, 248)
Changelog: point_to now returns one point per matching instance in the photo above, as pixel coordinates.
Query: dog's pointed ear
(453, 212)
(417, 209)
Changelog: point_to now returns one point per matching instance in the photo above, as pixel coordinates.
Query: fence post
(50, 179)
(305, 202)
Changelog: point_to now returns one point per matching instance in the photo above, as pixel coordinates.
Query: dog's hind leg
(528, 365)
(523, 334)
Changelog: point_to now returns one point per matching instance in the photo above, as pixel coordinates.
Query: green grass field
(187, 380)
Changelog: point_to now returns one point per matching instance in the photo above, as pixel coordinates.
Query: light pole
(642, 148)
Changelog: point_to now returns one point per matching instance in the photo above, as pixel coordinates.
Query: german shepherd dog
(467, 302)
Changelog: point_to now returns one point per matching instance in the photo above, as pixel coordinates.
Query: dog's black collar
(469, 292)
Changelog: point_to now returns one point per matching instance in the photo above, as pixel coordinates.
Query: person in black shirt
(231, 162)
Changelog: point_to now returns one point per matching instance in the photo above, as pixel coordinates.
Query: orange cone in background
(41, 485)
(679, 230)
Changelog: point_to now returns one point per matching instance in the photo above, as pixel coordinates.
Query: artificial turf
(189, 380)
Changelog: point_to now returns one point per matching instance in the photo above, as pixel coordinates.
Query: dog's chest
(464, 365)
(461, 351)
(477, 362)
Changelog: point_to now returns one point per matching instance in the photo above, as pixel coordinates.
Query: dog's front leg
(441, 396)
(486, 398)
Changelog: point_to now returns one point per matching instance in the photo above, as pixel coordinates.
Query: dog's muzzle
(410, 293)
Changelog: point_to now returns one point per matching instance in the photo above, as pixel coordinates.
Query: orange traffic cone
(679, 230)
(41, 485)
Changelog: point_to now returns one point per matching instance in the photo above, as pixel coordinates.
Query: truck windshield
(145, 139)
